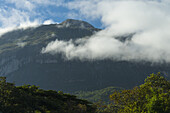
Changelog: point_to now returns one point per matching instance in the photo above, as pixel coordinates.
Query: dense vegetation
(31, 99)
(97, 95)
(151, 97)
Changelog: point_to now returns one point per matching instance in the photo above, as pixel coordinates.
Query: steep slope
(22, 62)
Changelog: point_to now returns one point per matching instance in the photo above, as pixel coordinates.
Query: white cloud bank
(12, 18)
(22, 14)
(48, 22)
(149, 19)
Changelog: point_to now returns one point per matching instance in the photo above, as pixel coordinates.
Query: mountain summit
(76, 24)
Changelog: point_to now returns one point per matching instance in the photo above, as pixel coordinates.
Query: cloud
(148, 19)
(12, 18)
(22, 4)
(49, 2)
(47, 22)
(21, 44)
(21, 14)
(85, 48)
(32, 4)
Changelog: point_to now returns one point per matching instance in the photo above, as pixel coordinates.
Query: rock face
(22, 62)
(76, 24)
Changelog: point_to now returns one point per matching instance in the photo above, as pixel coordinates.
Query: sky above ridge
(148, 20)
(25, 13)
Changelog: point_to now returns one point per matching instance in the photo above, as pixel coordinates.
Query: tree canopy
(151, 97)
(31, 99)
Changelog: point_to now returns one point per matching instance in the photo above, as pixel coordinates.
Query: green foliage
(31, 99)
(97, 95)
(151, 97)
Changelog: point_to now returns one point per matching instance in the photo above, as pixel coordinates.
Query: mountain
(22, 62)
(76, 24)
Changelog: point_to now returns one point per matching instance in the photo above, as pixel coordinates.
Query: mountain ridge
(22, 62)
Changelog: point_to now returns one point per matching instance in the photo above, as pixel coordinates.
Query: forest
(153, 96)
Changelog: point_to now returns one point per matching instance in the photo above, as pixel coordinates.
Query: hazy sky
(148, 19)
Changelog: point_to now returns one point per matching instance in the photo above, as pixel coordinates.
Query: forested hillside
(97, 95)
(22, 62)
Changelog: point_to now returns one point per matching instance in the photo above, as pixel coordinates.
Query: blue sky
(20, 11)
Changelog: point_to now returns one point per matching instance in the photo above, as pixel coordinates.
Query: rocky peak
(76, 24)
